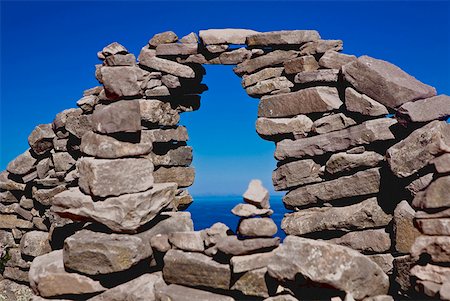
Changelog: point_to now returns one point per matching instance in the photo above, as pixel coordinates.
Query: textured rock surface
(167, 66)
(331, 123)
(299, 126)
(246, 263)
(301, 64)
(437, 247)
(231, 245)
(182, 293)
(360, 103)
(257, 227)
(404, 230)
(249, 210)
(41, 138)
(283, 37)
(435, 196)
(335, 60)
(367, 241)
(437, 107)
(394, 86)
(257, 195)
(225, 36)
(182, 176)
(328, 264)
(296, 173)
(122, 116)
(268, 60)
(120, 82)
(437, 226)
(187, 241)
(259, 76)
(253, 283)
(21, 165)
(35, 243)
(344, 162)
(367, 214)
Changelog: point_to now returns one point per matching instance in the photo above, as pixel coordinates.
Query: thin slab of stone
(269, 85)
(122, 116)
(187, 241)
(271, 59)
(106, 147)
(283, 37)
(105, 177)
(117, 213)
(425, 110)
(394, 86)
(300, 64)
(15, 274)
(120, 60)
(180, 156)
(321, 46)
(41, 138)
(253, 283)
(299, 126)
(48, 278)
(35, 243)
(244, 263)
(9, 185)
(198, 270)
(435, 196)
(234, 57)
(95, 253)
(366, 241)
(442, 163)
(120, 81)
(11, 221)
(257, 227)
(344, 162)
(362, 134)
(182, 176)
(295, 174)
(364, 215)
(167, 66)
(22, 164)
(430, 272)
(360, 103)
(405, 233)
(328, 264)
(164, 135)
(176, 49)
(183, 293)
(317, 76)
(335, 60)
(267, 73)
(309, 100)
(256, 194)
(225, 36)
(437, 248)
(420, 184)
(249, 210)
(435, 226)
(362, 183)
(231, 245)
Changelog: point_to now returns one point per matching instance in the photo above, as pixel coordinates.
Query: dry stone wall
(93, 210)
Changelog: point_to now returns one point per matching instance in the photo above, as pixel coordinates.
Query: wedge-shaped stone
(198, 270)
(187, 241)
(253, 283)
(437, 107)
(437, 247)
(257, 227)
(164, 135)
(360, 103)
(419, 148)
(364, 215)
(102, 146)
(405, 233)
(435, 196)
(48, 278)
(393, 86)
(23, 164)
(94, 253)
(301, 64)
(114, 48)
(419, 184)
(283, 37)
(182, 176)
(246, 263)
(317, 76)
(225, 36)
(103, 177)
(296, 173)
(361, 183)
(331, 123)
(335, 60)
(270, 59)
(182, 293)
(309, 100)
(158, 112)
(367, 241)
(299, 126)
(166, 66)
(163, 38)
(269, 85)
(321, 46)
(328, 264)
(140, 288)
(231, 245)
(435, 226)
(365, 133)
(120, 82)
(120, 213)
(176, 49)
(41, 138)
(122, 116)
(234, 57)
(344, 162)
(256, 194)
(121, 60)
(267, 73)
(249, 210)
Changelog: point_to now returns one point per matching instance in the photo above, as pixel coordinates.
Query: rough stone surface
(442, 163)
(331, 123)
(360, 103)
(362, 134)
(122, 116)
(117, 213)
(94, 253)
(103, 177)
(166, 66)
(22, 165)
(296, 173)
(35, 243)
(435, 196)
(14, 291)
(256, 194)
(394, 86)
(367, 241)
(231, 245)
(317, 76)
(309, 100)
(114, 48)
(41, 138)
(335, 60)
(120, 82)
(48, 278)
(437, 247)
(198, 270)
(257, 227)
(321, 46)
(283, 37)
(249, 210)
(180, 156)
(187, 241)
(176, 49)
(384, 261)
(158, 112)
(364, 215)
(431, 272)
(299, 126)
(301, 64)
(271, 59)
(269, 85)
(246, 263)
(328, 264)
(225, 36)
(424, 110)
(344, 162)
(164, 135)
(11, 221)
(419, 184)
(163, 38)
(183, 176)
(361, 183)
(438, 226)
(267, 73)
(182, 293)
(404, 230)
(253, 283)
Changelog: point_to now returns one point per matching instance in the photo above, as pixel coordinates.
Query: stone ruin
(94, 209)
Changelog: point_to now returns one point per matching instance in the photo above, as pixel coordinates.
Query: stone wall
(93, 210)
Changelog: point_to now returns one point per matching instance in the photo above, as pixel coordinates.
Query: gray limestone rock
(120, 82)
(283, 37)
(182, 176)
(41, 138)
(122, 116)
(257, 195)
(296, 173)
(366, 242)
(225, 36)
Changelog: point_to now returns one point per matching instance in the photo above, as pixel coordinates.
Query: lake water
(207, 210)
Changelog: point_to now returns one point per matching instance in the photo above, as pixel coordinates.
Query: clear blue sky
(48, 52)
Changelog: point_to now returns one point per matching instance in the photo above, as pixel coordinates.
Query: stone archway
(353, 174)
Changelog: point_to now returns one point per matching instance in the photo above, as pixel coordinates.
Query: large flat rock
(419, 148)
(182, 176)
(424, 110)
(364, 215)
(195, 269)
(362, 134)
(366, 241)
(344, 162)
(298, 126)
(22, 164)
(385, 82)
(328, 264)
(296, 173)
(231, 245)
(225, 36)
(122, 116)
(361, 183)
(283, 37)
(104, 177)
(48, 278)
(167, 66)
(309, 100)
(271, 59)
(125, 213)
